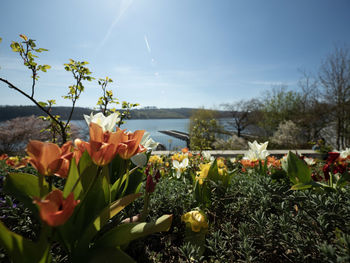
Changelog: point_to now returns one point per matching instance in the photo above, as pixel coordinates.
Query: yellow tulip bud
(196, 219)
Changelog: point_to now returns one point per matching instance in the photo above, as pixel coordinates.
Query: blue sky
(183, 53)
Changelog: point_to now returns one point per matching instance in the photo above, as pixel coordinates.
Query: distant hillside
(10, 112)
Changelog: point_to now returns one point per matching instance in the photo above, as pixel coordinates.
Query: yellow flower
(179, 157)
(222, 169)
(155, 159)
(203, 173)
(196, 220)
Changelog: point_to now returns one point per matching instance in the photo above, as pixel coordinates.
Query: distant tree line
(11, 112)
(318, 110)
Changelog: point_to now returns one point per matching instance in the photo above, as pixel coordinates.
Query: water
(153, 126)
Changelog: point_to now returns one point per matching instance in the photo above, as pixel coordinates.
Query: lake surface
(153, 126)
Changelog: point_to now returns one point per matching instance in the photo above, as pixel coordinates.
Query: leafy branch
(27, 51)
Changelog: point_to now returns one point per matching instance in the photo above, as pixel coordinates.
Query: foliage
(288, 135)
(27, 50)
(107, 97)
(254, 215)
(257, 220)
(279, 105)
(203, 129)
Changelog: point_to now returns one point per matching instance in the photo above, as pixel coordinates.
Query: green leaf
(23, 250)
(15, 47)
(42, 103)
(107, 213)
(297, 170)
(125, 233)
(135, 181)
(72, 180)
(0, 39)
(94, 197)
(213, 173)
(117, 168)
(117, 188)
(301, 186)
(24, 187)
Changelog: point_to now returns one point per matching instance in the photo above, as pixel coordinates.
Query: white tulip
(257, 151)
(148, 142)
(107, 123)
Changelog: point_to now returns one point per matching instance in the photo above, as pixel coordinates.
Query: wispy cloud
(123, 7)
(147, 45)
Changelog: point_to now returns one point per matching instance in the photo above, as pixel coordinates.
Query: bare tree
(334, 76)
(314, 113)
(242, 113)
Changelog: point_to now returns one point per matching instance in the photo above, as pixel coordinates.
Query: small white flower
(344, 154)
(207, 156)
(180, 167)
(107, 123)
(140, 159)
(309, 161)
(233, 160)
(257, 151)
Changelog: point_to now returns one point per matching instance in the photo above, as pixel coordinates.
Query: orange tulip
(103, 146)
(54, 210)
(66, 156)
(100, 149)
(45, 157)
(132, 146)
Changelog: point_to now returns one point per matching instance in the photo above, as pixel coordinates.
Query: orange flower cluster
(271, 162)
(14, 161)
(103, 146)
(249, 163)
(49, 159)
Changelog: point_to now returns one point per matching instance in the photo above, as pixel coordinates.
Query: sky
(171, 53)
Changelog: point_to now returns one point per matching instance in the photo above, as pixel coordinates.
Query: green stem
(145, 209)
(41, 185)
